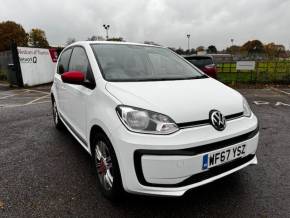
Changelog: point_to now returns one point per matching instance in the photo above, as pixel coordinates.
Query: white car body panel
(175, 169)
(183, 100)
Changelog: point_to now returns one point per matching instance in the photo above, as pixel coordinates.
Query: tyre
(57, 121)
(106, 168)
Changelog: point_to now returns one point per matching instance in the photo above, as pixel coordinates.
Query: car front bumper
(172, 164)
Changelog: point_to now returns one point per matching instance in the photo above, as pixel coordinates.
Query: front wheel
(107, 168)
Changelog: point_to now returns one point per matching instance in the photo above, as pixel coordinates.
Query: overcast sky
(163, 21)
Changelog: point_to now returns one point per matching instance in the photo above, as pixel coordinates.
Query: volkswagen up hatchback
(152, 122)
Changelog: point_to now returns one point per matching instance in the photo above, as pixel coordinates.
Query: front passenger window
(80, 62)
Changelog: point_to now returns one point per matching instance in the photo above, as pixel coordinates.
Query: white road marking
(8, 96)
(31, 102)
(279, 90)
(278, 103)
(15, 92)
(12, 90)
(21, 105)
(33, 90)
(261, 102)
(281, 103)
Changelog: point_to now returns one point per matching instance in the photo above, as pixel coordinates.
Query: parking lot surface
(45, 172)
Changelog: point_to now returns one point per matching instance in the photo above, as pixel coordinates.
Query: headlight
(144, 121)
(247, 109)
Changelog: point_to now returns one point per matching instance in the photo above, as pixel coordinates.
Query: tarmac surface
(46, 173)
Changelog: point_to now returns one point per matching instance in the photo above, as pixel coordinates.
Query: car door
(60, 86)
(77, 95)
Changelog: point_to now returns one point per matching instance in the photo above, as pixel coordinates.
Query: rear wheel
(106, 167)
(57, 121)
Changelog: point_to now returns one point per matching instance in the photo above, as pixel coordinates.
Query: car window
(141, 63)
(166, 66)
(63, 61)
(79, 62)
(200, 61)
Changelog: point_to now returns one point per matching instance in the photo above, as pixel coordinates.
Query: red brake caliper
(102, 167)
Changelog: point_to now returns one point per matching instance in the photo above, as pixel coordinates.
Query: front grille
(207, 121)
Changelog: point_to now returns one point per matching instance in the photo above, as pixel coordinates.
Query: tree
(200, 48)
(171, 48)
(117, 39)
(38, 39)
(96, 38)
(12, 32)
(253, 47)
(274, 50)
(70, 41)
(211, 49)
(192, 51)
(179, 51)
(234, 49)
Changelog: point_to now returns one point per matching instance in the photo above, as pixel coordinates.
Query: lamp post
(106, 26)
(188, 36)
(231, 48)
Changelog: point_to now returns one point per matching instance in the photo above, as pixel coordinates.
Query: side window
(79, 62)
(63, 61)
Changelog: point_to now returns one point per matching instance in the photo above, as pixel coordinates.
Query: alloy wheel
(104, 165)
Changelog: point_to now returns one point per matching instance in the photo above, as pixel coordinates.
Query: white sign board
(201, 53)
(37, 65)
(245, 65)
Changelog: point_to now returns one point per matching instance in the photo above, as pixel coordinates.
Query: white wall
(37, 65)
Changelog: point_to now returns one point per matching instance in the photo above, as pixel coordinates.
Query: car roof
(111, 42)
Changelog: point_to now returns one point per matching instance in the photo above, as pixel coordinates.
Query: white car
(153, 123)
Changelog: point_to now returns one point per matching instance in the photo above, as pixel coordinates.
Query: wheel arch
(94, 129)
(52, 97)
(97, 129)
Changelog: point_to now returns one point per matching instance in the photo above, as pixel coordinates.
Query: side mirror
(73, 77)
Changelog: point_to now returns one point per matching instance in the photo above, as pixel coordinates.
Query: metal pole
(232, 41)
(106, 27)
(188, 36)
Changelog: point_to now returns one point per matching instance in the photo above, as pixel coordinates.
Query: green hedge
(265, 72)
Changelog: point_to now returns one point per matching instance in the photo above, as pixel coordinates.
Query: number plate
(216, 158)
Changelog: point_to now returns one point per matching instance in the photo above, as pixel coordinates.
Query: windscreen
(141, 63)
(200, 61)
